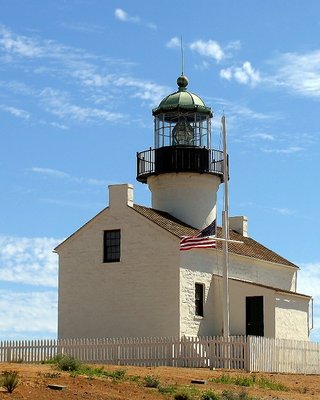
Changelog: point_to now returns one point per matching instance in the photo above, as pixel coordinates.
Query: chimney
(120, 195)
(239, 224)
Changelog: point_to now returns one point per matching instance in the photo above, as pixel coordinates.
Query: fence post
(211, 347)
(181, 351)
(247, 354)
(9, 354)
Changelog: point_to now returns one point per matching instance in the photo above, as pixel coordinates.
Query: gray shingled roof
(249, 248)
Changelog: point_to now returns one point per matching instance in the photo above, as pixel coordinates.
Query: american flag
(204, 239)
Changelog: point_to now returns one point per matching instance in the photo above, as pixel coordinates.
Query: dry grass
(34, 380)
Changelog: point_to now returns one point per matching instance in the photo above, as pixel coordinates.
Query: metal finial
(182, 58)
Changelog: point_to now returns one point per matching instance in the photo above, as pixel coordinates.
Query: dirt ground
(34, 381)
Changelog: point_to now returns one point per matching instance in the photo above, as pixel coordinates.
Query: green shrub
(245, 396)
(266, 383)
(229, 395)
(68, 363)
(53, 360)
(184, 394)
(10, 380)
(118, 374)
(170, 389)
(52, 375)
(134, 378)
(209, 395)
(224, 378)
(151, 381)
(244, 380)
(17, 360)
(90, 372)
(249, 380)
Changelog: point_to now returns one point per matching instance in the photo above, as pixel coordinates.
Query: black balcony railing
(178, 159)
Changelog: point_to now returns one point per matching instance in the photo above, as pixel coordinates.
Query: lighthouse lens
(182, 134)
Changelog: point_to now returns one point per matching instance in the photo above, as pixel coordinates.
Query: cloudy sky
(78, 80)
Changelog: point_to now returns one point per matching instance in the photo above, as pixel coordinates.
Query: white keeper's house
(122, 273)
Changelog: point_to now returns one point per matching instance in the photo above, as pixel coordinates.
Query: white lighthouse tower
(182, 171)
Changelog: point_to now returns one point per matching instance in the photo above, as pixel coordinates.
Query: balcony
(179, 159)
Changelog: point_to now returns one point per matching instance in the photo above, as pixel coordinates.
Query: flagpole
(225, 222)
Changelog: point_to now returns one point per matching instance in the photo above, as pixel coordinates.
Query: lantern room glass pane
(182, 129)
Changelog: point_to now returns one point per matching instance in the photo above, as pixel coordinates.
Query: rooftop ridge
(250, 247)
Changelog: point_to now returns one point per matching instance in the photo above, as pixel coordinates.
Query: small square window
(111, 246)
(198, 299)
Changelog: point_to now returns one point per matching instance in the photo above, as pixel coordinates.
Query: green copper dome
(182, 101)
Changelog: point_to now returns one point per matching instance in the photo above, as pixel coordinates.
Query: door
(254, 316)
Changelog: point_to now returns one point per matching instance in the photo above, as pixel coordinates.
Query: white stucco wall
(150, 292)
(211, 322)
(135, 297)
(190, 324)
(240, 267)
(238, 291)
(291, 317)
(190, 197)
(285, 315)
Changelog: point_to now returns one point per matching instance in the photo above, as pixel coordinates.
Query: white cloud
(209, 48)
(20, 45)
(51, 172)
(226, 74)
(28, 314)
(174, 42)
(245, 74)
(237, 109)
(89, 77)
(123, 16)
(284, 211)
(263, 136)
(17, 112)
(57, 104)
(17, 87)
(203, 65)
(151, 25)
(83, 27)
(28, 260)
(91, 74)
(54, 173)
(298, 72)
(71, 58)
(287, 150)
(144, 90)
(309, 283)
(309, 279)
(60, 126)
(235, 45)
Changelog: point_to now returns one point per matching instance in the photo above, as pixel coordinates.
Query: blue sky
(78, 80)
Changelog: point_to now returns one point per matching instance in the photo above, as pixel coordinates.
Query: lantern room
(182, 137)
(182, 119)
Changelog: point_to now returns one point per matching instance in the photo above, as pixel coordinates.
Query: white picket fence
(283, 355)
(236, 352)
(214, 352)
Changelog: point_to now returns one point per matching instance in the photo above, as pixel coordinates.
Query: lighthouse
(182, 171)
(122, 275)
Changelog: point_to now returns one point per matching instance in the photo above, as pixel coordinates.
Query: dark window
(111, 246)
(198, 299)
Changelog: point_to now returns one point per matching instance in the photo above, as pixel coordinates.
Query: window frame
(111, 246)
(199, 300)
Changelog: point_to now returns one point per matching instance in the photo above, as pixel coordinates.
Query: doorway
(254, 316)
